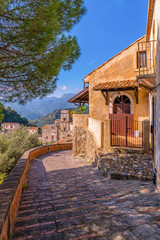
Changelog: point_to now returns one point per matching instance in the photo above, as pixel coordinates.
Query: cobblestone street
(66, 198)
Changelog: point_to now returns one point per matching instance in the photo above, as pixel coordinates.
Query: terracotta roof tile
(46, 127)
(32, 128)
(10, 123)
(115, 85)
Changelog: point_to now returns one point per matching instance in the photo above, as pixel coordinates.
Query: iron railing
(146, 57)
(126, 132)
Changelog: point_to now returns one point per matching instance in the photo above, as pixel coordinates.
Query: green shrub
(2, 177)
(12, 147)
(80, 110)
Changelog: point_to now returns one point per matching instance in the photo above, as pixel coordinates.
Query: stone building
(32, 130)
(119, 112)
(66, 121)
(113, 87)
(119, 107)
(48, 133)
(10, 127)
(59, 130)
(52, 132)
(149, 77)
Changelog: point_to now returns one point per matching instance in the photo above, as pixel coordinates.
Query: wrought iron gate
(125, 131)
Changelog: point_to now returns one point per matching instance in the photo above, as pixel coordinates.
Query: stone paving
(66, 198)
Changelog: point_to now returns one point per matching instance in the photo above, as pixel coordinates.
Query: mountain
(40, 107)
(49, 118)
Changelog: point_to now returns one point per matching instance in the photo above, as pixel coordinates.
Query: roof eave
(151, 5)
(78, 95)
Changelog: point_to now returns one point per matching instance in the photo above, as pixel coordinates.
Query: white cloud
(63, 88)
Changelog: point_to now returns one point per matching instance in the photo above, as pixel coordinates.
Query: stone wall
(11, 188)
(118, 164)
(80, 120)
(126, 165)
(114, 162)
(84, 144)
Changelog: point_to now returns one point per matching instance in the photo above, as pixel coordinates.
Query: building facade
(59, 130)
(48, 133)
(66, 121)
(117, 77)
(119, 112)
(32, 130)
(52, 132)
(118, 104)
(10, 127)
(149, 76)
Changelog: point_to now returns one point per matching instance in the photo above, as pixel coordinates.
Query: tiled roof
(46, 127)
(150, 17)
(115, 85)
(81, 97)
(10, 123)
(33, 128)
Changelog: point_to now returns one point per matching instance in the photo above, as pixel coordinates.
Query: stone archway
(114, 96)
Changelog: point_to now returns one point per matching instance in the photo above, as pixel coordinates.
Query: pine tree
(1, 114)
(35, 45)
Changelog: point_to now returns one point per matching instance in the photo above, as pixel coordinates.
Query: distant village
(60, 130)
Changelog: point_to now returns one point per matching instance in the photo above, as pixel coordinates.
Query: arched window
(122, 105)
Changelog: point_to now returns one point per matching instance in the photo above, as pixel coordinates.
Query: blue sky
(108, 27)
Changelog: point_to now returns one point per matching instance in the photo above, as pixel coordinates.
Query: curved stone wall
(11, 188)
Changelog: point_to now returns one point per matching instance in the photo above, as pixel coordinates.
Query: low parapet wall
(11, 188)
(97, 128)
(80, 120)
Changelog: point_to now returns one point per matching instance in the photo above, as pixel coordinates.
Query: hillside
(49, 118)
(40, 107)
(12, 116)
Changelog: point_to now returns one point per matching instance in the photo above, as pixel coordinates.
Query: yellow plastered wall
(121, 67)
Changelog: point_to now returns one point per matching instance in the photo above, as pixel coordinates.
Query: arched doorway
(122, 105)
(122, 120)
(114, 100)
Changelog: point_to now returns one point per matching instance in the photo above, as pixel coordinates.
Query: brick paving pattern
(66, 198)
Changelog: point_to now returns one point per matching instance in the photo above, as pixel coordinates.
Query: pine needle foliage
(35, 44)
(1, 113)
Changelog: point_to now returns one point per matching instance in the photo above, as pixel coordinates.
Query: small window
(141, 59)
